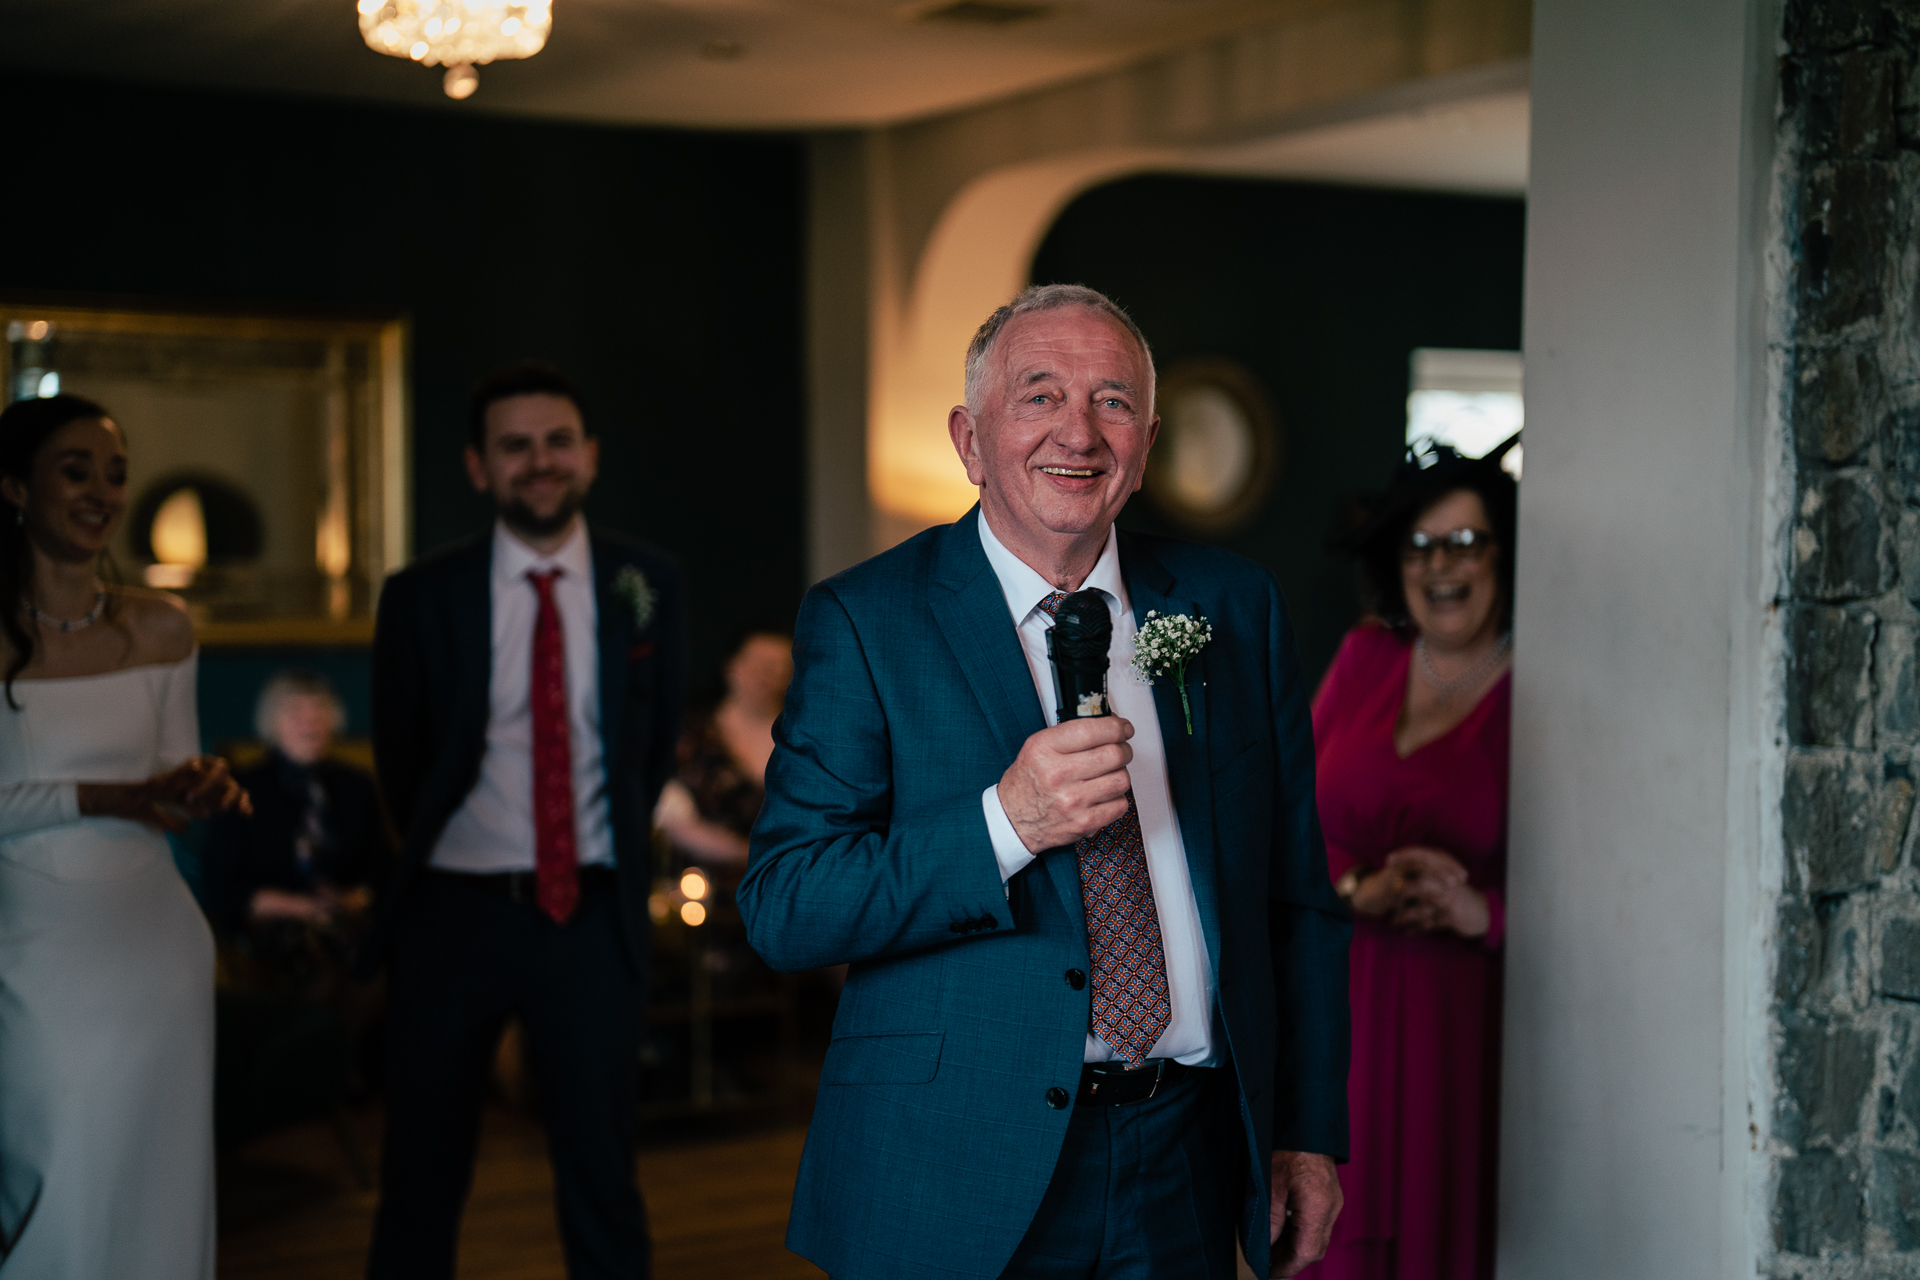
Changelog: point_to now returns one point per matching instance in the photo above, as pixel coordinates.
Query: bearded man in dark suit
(1095, 1020)
(527, 696)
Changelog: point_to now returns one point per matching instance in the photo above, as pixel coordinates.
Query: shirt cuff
(1007, 849)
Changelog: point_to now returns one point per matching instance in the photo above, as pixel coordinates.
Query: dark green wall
(1322, 293)
(661, 268)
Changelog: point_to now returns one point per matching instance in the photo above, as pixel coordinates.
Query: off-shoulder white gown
(106, 993)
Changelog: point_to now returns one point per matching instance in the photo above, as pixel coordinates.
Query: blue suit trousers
(1143, 1192)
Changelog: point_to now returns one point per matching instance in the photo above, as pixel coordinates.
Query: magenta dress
(1424, 1089)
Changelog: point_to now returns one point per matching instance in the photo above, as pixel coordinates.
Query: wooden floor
(290, 1210)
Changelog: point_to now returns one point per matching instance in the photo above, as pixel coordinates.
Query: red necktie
(555, 860)
(1131, 1007)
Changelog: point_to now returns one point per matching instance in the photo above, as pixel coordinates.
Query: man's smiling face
(538, 462)
(1061, 437)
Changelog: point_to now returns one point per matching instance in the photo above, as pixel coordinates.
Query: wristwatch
(1349, 884)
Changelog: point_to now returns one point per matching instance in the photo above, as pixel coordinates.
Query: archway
(1463, 135)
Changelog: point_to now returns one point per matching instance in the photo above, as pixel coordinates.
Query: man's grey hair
(1048, 297)
(293, 683)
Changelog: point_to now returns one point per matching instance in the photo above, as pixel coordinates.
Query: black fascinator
(1375, 524)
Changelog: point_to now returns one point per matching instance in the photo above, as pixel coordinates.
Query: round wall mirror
(1219, 449)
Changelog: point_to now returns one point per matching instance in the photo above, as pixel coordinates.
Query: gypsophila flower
(633, 589)
(1164, 645)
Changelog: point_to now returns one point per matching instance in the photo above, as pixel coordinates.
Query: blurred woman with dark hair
(106, 964)
(709, 810)
(1411, 729)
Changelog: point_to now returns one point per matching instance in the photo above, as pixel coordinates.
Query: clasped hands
(198, 788)
(1424, 890)
(1068, 781)
(323, 906)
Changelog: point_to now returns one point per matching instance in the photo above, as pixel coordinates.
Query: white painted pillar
(1642, 710)
(839, 326)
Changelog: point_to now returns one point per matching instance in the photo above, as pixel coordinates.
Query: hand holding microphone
(1071, 780)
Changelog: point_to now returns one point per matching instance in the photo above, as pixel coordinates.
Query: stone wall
(1845, 1129)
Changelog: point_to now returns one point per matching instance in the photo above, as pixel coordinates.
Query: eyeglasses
(1461, 544)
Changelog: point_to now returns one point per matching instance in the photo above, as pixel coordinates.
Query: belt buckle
(1159, 1074)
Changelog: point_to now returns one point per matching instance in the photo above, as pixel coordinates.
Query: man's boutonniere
(632, 587)
(1165, 645)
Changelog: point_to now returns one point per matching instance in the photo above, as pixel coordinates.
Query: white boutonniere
(1165, 645)
(632, 587)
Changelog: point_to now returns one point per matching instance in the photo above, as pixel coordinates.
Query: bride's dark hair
(25, 427)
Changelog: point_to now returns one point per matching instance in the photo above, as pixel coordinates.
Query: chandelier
(456, 34)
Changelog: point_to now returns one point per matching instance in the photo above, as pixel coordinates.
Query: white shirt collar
(512, 558)
(1025, 589)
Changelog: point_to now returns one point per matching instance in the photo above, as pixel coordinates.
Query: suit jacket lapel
(1189, 769)
(971, 610)
(615, 636)
(469, 618)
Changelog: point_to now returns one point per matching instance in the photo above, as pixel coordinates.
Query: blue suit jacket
(932, 1141)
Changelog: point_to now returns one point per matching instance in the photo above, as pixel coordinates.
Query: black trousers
(466, 957)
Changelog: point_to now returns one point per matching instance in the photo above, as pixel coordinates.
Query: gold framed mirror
(269, 456)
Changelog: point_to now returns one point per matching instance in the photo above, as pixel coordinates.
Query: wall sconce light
(179, 538)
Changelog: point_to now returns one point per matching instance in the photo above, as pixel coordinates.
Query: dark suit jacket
(432, 668)
(244, 853)
(932, 1141)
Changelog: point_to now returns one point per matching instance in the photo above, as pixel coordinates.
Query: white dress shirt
(492, 830)
(1188, 1038)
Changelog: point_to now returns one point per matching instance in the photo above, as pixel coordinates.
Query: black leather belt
(523, 886)
(1111, 1084)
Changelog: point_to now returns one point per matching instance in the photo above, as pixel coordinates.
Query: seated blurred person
(708, 811)
(289, 886)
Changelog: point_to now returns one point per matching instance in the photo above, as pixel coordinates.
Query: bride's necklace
(1468, 679)
(70, 624)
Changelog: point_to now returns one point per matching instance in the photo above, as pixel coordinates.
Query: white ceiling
(1474, 145)
(799, 63)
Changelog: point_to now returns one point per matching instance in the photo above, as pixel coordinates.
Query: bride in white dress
(106, 965)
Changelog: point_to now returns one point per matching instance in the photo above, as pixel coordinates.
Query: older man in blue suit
(1095, 1020)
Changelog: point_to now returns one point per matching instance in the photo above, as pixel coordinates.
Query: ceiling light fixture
(456, 34)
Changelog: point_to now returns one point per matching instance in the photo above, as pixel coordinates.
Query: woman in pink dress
(1411, 727)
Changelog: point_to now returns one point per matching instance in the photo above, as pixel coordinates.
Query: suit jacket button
(1057, 1098)
(1076, 979)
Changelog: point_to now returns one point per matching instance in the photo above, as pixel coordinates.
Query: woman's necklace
(71, 624)
(1468, 679)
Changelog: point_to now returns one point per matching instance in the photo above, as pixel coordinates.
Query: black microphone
(1077, 643)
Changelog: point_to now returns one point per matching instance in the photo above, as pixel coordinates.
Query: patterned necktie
(1131, 1009)
(312, 836)
(555, 860)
